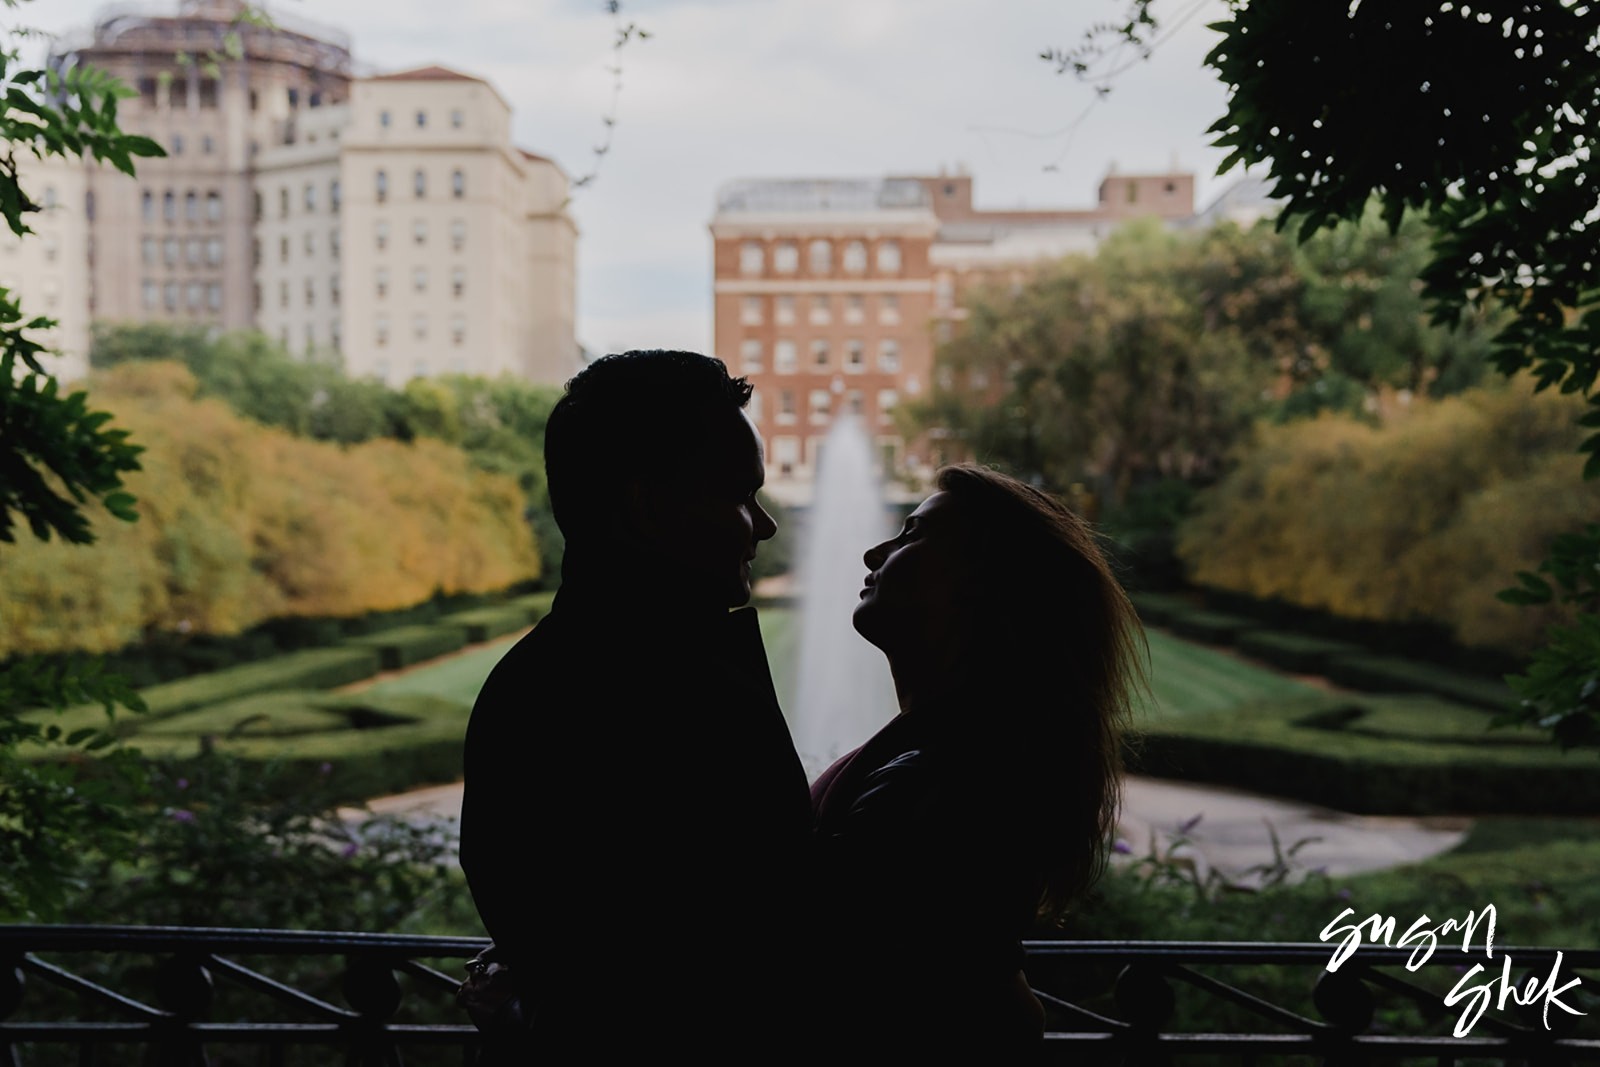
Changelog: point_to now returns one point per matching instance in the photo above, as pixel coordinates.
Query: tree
(56, 456)
(1479, 116)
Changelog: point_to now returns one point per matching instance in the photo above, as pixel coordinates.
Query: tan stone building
(390, 219)
(831, 295)
(47, 270)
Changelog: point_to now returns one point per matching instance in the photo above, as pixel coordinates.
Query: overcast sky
(727, 89)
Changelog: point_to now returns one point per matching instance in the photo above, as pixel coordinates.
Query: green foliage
(1407, 520)
(406, 645)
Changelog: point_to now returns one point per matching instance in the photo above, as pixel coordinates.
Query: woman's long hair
(1064, 651)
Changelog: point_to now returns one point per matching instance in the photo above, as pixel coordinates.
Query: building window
(786, 408)
(419, 279)
(821, 405)
(419, 326)
(820, 256)
(169, 206)
(311, 293)
(750, 356)
(335, 335)
(382, 182)
(383, 119)
(419, 183)
(889, 309)
(255, 251)
(783, 357)
(283, 202)
(151, 295)
(821, 311)
(422, 119)
(177, 144)
(194, 295)
(283, 250)
(458, 329)
(889, 355)
(419, 232)
(147, 206)
(207, 145)
(334, 243)
(334, 289)
(855, 257)
(458, 281)
(751, 258)
(889, 257)
(750, 311)
(255, 295)
(786, 257)
(311, 196)
(191, 206)
(311, 243)
(283, 294)
(944, 291)
(147, 251)
(169, 296)
(213, 251)
(259, 208)
(311, 337)
(457, 119)
(335, 200)
(380, 327)
(855, 357)
(785, 311)
(213, 206)
(887, 399)
(458, 184)
(458, 234)
(381, 233)
(192, 249)
(88, 205)
(382, 282)
(169, 251)
(854, 402)
(214, 296)
(819, 354)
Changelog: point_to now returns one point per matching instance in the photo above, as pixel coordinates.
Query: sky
(729, 89)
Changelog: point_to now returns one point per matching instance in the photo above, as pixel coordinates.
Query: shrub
(1386, 674)
(1293, 652)
(483, 624)
(1209, 626)
(406, 645)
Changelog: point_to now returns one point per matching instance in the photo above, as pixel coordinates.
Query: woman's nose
(874, 556)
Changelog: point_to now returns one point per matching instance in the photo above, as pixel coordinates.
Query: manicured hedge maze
(406, 645)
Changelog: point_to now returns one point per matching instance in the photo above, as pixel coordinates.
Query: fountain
(844, 693)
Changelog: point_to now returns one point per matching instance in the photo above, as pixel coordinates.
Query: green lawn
(1186, 679)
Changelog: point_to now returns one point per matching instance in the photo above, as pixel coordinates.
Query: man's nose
(765, 525)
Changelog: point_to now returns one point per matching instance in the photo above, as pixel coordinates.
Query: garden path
(1231, 835)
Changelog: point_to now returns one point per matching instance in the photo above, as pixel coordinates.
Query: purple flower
(348, 850)
(1122, 848)
(1343, 894)
(183, 783)
(182, 815)
(325, 770)
(1185, 827)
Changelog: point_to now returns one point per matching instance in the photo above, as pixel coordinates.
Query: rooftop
(821, 194)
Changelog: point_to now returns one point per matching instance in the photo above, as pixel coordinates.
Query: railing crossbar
(1066, 1007)
(1249, 1001)
(65, 979)
(278, 990)
(429, 974)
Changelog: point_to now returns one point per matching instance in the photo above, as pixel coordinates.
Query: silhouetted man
(636, 818)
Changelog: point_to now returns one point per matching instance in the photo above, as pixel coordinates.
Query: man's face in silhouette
(705, 522)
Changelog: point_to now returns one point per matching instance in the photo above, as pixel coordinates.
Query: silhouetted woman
(990, 799)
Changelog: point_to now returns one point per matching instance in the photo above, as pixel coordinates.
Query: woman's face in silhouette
(911, 602)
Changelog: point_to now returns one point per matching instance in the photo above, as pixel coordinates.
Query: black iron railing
(193, 997)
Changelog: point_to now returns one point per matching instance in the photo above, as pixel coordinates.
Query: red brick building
(830, 295)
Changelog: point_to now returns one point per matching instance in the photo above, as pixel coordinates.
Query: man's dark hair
(640, 414)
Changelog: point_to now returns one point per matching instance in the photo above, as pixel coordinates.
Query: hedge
(1294, 652)
(419, 741)
(1209, 626)
(482, 624)
(1388, 674)
(412, 644)
(1315, 750)
(321, 668)
(537, 605)
(1157, 609)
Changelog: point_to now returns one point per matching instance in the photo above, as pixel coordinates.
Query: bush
(1415, 756)
(537, 605)
(406, 645)
(482, 624)
(1156, 609)
(1208, 626)
(1386, 674)
(1293, 652)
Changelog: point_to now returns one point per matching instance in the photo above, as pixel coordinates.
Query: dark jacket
(635, 825)
(931, 866)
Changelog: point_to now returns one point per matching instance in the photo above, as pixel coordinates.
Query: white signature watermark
(1425, 936)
